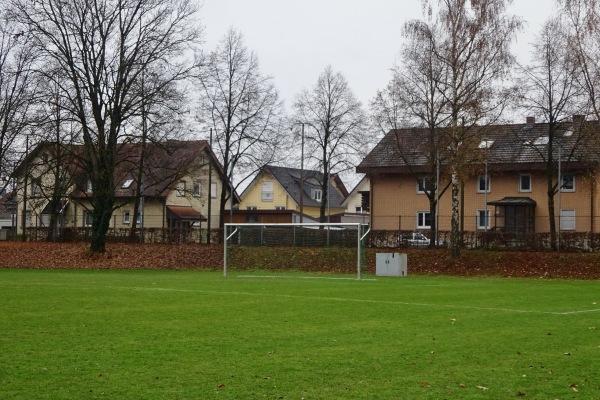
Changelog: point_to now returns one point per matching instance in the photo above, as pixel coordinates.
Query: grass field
(69, 334)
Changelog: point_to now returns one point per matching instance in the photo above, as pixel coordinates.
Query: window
(267, 191)
(525, 183)
(127, 184)
(87, 218)
(126, 217)
(359, 210)
(316, 194)
(181, 188)
(486, 144)
(423, 219)
(138, 219)
(567, 220)
(88, 186)
(424, 185)
(541, 141)
(197, 189)
(568, 183)
(365, 201)
(213, 190)
(483, 219)
(280, 208)
(36, 187)
(483, 184)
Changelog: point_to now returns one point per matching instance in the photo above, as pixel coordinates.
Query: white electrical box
(390, 264)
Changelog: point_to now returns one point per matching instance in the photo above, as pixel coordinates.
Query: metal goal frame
(228, 232)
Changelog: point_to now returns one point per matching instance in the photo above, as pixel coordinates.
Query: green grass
(198, 335)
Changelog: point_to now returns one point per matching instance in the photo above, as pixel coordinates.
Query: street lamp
(302, 174)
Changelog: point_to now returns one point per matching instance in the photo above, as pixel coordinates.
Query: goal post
(279, 246)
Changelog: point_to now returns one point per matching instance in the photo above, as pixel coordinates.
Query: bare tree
(17, 91)
(102, 49)
(550, 91)
(472, 41)
(335, 126)
(243, 108)
(159, 122)
(413, 98)
(582, 26)
(55, 131)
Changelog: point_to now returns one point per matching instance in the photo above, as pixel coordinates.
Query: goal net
(333, 247)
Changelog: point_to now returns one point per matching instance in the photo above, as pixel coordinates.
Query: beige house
(173, 190)
(511, 197)
(280, 194)
(358, 203)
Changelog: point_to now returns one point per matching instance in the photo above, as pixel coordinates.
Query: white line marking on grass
(340, 299)
(579, 312)
(389, 302)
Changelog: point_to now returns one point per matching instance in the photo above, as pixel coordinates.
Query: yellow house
(280, 194)
(510, 197)
(172, 191)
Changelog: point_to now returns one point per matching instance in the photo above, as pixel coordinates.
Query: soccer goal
(332, 247)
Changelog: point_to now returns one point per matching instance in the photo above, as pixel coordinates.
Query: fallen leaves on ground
(529, 264)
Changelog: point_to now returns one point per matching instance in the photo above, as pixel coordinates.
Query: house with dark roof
(168, 180)
(289, 195)
(506, 188)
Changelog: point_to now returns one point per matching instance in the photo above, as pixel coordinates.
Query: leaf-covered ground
(193, 256)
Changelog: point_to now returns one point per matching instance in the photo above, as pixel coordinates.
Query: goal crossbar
(232, 228)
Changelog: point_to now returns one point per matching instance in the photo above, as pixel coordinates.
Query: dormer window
(486, 144)
(316, 194)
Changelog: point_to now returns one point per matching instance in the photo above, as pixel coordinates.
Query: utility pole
(24, 216)
(302, 177)
(209, 186)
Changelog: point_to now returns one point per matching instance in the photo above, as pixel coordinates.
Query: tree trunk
(324, 194)
(551, 216)
(222, 202)
(455, 232)
(433, 230)
(103, 199)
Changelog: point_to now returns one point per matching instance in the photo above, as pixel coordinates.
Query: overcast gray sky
(296, 39)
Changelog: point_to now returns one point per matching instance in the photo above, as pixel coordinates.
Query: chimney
(530, 120)
(578, 118)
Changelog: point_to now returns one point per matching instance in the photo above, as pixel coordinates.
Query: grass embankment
(194, 256)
